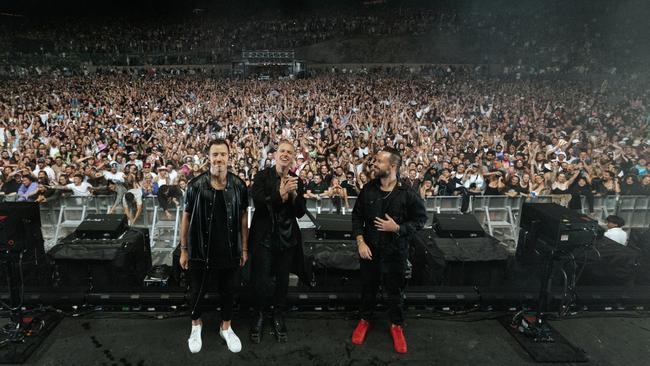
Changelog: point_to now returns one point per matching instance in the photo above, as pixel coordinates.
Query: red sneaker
(359, 334)
(398, 338)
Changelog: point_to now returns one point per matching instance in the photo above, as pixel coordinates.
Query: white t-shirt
(117, 177)
(49, 171)
(475, 178)
(137, 193)
(363, 151)
(79, 190)
(173, 175)
(163, 181)
(617, 234)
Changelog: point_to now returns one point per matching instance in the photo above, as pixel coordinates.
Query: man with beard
(214, 240)
(276, 245)
(384, 217)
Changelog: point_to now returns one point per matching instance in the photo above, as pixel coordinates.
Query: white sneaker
(232, 341)
(194, 342)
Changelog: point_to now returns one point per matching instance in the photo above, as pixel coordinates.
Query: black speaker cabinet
(103, 264)
(333, 226)
(449, 225)
(102, 226)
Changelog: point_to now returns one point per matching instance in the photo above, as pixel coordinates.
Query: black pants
(225, 283)
(393, 284)
(337, 203)
(268, 265)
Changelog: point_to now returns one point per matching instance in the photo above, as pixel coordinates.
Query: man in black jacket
(214, 237)
(275, 237)
(385, 215)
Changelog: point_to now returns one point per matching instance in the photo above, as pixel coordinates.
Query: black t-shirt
(385, 237)
(515, 188)
(349, 188)
(11, 186)
(221, 254)
(317, 188)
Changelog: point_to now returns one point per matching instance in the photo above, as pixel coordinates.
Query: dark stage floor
(322, 338)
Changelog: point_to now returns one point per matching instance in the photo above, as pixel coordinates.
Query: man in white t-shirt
(133, 159)
(615, 232)
(80, 188)
(113, 175)
(40, 165)
(132, 201)
(473, 179)
(173, 174)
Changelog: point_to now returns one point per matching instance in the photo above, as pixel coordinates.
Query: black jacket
(267, 202)
(404, 205)
(198, 201)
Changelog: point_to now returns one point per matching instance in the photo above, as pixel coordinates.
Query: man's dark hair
(129, 197)
(163, 190)
(395, 157)
(616, 220)
(217, 142)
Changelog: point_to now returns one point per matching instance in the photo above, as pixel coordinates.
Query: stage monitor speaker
(473, 261)
(334, 226)
(102, 226)
(20, 229)
(427, 259)
(449, 225)
(639, 240)
(103, 264)
(612, 264)
(332, 263)
(20, 234)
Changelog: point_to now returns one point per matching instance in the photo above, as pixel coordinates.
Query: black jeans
(200, 282)
(337, 203)
(269, 264)
(393, 284)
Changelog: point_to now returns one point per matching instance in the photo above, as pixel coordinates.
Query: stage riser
(634, 298)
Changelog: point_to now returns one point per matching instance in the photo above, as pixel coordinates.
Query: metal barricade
(451, 204)
(318, 206)
(72, 213)
(496, 212)
(165, 222)
(100, 204)
(49, 218)
(540, 199)
(634, 210)
(603, 207)
(149, 205)
(430, 206)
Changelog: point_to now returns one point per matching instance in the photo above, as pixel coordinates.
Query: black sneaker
(257, 326)
(279, 328)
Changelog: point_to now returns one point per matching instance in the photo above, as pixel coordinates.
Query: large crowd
(536, 38)
(458, 135)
